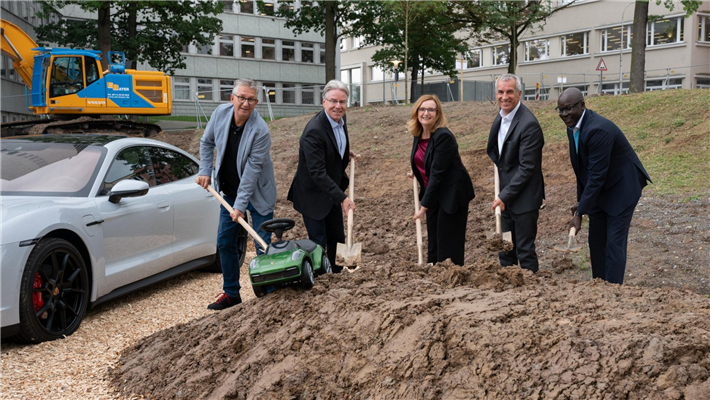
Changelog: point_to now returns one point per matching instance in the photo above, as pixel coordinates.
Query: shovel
(569, 248)
(419, 222)
(499, 240)
(348, 255)
(243, 223)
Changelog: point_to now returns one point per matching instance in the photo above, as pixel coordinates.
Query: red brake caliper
(37, 296)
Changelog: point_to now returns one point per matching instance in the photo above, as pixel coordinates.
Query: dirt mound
(403, 331)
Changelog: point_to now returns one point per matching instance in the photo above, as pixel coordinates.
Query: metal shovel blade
(569, 248)
(348, 256)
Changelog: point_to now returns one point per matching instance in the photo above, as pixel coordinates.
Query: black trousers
(446, 234)
(608, 239)
(523, 228)
(327, 232)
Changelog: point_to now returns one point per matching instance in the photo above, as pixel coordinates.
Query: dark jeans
(327, 232)
(523, 228)
(227, 245)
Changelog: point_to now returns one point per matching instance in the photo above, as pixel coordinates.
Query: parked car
(88, 218)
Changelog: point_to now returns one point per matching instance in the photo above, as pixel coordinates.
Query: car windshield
(47, 168)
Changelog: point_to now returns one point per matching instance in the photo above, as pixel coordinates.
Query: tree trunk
(413, 82)
(131, 53)
(513, 58)
(638, 48)
(104, 33)
(331, 36)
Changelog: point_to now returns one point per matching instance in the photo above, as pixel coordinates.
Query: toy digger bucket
(349, 254)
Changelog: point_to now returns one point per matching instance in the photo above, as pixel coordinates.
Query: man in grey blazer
(243, 172)
(515, 146)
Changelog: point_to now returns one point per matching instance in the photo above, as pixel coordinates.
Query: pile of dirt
(414, 332)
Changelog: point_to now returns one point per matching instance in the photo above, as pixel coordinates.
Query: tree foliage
(418, 33)
(638, 39)
(153, 32)
(492, 21)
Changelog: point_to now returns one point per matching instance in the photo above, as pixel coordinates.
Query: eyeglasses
(565, 110)
(242, 99)
(423, 110)
(334, 102)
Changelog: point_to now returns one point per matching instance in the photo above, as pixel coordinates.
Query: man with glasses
(243, 172)
(318, 188)
(610, 178)
(515, 145)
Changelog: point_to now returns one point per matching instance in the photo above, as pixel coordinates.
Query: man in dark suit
(515, 146)
(610, 178)
(318, 188)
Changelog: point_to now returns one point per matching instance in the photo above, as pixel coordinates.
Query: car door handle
(163, 204)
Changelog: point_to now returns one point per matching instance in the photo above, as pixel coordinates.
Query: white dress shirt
(505, 121)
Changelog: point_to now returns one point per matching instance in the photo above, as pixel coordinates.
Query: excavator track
(81, 125)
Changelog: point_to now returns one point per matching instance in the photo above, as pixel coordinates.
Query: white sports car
(87, 218)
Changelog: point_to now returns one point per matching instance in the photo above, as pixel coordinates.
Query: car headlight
(252, 263)
(296, 255)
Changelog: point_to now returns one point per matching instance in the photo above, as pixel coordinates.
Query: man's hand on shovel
(576, 221)
(498, 203)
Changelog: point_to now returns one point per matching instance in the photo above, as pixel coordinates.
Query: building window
(268, 8)
(473, 59)
(228, 6)
(307, 52)
(702, 82)
(225, 89)
(322, 55)
(343, 44)
(247, 47)
(246, 6)
(268, 49)
(204, 49)
(181, 89)
(613, 88)
(271, 91)
(574, 44)
(204, 89)
(531, 95)
(357, 42)
(704, 28)
(663, 84)
(226, 45)
(501, 54)
(288, 93)
(664, 31)
(537, 50)
(288, 51)
(376, 73)
(307, 95)
(286, 5)
(351, 77)
(611, 38)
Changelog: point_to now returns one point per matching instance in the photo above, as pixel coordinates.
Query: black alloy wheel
(54, 292)
(307, 278)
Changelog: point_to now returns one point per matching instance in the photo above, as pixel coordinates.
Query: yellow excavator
(70, 87)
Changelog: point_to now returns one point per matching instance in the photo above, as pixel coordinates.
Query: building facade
(570, 49)
(289, 70)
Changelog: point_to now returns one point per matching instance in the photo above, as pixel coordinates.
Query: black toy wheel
(242, 240)
(259, 291)
(54, 292)
(325, 267)
(282, 224)
(307, 278)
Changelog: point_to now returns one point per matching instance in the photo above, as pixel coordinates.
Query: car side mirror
(127, 188)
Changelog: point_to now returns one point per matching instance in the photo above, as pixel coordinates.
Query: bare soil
(396, 330)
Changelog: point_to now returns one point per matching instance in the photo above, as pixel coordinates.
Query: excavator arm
(18, 45)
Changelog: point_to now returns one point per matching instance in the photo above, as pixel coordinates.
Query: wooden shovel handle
(420, 255)
(351, 194)
(243, 223)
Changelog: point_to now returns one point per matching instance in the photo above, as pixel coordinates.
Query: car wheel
(325, 267)
(259, 291)
(54, 292)
(242, 240)
(307, 278)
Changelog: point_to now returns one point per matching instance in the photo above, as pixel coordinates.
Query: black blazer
(449, 183)
(609, 173)
(320, 178)
(522, 187)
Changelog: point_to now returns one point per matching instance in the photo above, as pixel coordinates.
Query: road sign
(602, 65)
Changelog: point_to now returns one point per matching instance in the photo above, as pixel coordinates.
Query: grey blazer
(257, 184)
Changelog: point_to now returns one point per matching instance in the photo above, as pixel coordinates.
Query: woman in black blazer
(446, 187)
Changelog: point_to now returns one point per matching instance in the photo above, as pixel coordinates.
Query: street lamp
(621, 49)
(396, 78)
